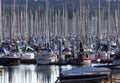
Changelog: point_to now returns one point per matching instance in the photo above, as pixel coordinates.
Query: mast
(116, 22)
(26, 19)
(40, 22)
(98, 27)
(66, 21)
(18, 22)
(99, 22)
(63, 21)
(13, 23)
(1, 20)
(46, 18)
(81, 19)
(108, 27)
(31, 24)
(56, 24)
(21, 23)
(116, 27)
(36, 23)
(119, 17)
(74, 22)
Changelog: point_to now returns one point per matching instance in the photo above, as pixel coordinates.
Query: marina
(59, 41)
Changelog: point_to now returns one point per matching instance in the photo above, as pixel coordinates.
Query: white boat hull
(27, 56)
(45, 61)
(44, 58)
(84, 61)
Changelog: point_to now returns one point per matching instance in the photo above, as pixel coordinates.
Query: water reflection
(31, 73)
(46, 74)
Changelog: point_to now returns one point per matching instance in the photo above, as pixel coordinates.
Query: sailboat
(82, 59)
(102, 46)
(9, 56)
(45, 54)
(27, 54)
(1, 19)
(45, 57)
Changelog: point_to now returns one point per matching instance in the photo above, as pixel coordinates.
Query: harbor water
(31, 73)
(38, 73)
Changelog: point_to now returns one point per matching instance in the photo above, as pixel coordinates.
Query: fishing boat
(82, 59)
(86, 74)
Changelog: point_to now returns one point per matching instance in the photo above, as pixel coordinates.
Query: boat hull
(9, 61)
(78, 61)
(27, 58)
(44, 58)
(44, 61)
(82, 79)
